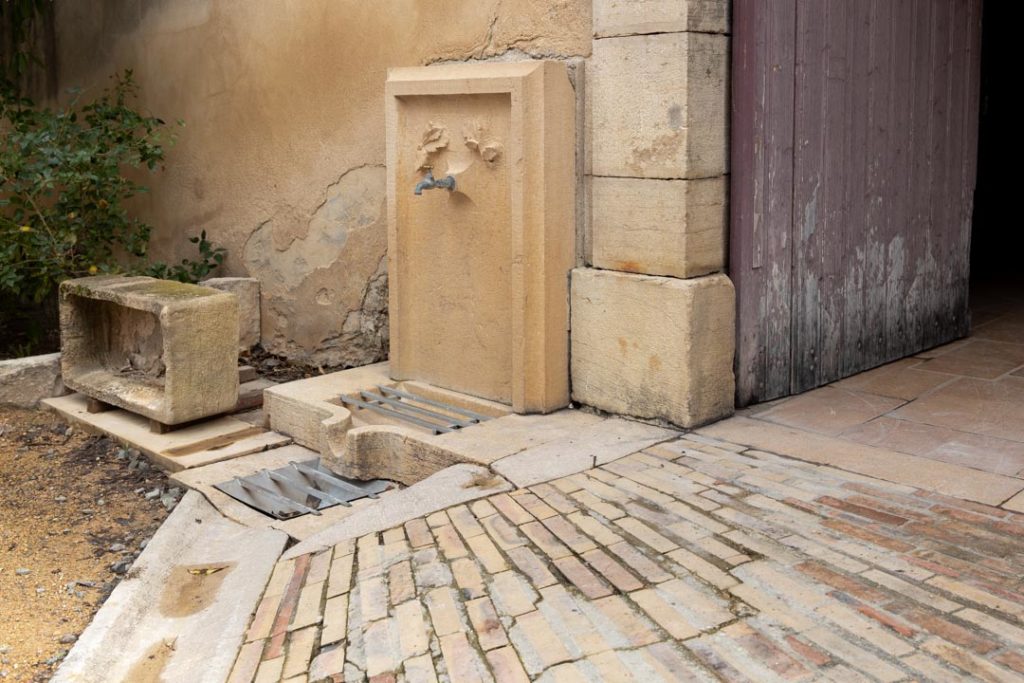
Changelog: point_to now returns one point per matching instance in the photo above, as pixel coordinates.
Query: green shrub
(63, 188)
(210, 258)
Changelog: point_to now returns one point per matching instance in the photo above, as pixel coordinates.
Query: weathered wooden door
(854, 144)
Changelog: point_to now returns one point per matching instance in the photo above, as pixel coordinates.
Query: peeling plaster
(322, 278)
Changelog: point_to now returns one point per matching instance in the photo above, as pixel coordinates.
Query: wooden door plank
(857, 258)
(877, 172)
(762, 153)
(809, 202)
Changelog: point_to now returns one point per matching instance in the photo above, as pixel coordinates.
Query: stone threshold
(880, 463)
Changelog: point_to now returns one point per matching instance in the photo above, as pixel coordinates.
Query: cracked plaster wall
(281, 159)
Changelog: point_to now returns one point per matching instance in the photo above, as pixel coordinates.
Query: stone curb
(26, 381)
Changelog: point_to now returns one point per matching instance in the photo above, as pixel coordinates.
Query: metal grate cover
(299, 488)
(436, 416)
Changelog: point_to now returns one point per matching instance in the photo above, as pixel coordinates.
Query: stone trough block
(247, 289)
(162, 349)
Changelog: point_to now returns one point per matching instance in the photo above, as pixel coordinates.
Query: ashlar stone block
(633, 17)
(653, 347)
(657, 106)
(659, 227)
(165, 350)
(247, 289)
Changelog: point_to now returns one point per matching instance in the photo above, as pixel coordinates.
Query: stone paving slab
(696, 559)
(942, 477)
(171, 451)
(181, 612)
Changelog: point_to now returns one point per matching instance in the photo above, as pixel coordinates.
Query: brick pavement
(691, 560)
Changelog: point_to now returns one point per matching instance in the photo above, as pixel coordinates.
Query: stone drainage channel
(308, 487)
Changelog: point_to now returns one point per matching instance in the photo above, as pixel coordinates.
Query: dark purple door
(854, 145)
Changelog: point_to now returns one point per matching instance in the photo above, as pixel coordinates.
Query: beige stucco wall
(281, 159)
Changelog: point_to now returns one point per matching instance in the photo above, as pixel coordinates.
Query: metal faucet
(429, 183)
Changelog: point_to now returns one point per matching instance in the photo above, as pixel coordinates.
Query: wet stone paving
(690, 560)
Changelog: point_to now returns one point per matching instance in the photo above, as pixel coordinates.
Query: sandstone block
(657, 106)
(165, 350)
(653, 347)
(26, 381)
(247, 289)
(477, 274)
(659, 227)
(633, 17)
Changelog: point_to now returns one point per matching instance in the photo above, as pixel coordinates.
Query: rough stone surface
(26, 381)
(184, 609)
(659, 227)
(483, 311)
(631, 17)
(247, 289)
(653, 347)
(165, 350)
(657, 106)
(280, 103)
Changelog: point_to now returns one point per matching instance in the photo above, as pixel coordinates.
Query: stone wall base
(653, 347)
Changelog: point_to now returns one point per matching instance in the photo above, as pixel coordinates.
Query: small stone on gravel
(68, 638)
(150, 495)
(22, 572)
(117, 547)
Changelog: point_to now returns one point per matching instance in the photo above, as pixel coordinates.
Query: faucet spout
(430, 183)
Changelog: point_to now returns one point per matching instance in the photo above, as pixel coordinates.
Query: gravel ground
(75, 511)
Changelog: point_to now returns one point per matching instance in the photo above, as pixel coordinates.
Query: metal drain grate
(417, 410)
(298, 489)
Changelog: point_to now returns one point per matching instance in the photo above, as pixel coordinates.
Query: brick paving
(691, 560)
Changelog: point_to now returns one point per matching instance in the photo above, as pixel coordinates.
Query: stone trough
(164, 350)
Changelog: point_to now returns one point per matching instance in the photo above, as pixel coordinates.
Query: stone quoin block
(165, 350)
(659, 227)
(657, 106)
(653, 347)
(247, 289)
(633, 17)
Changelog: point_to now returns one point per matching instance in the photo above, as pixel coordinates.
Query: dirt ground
(75, 511)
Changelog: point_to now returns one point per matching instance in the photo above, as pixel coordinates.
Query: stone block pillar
(653, 317)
